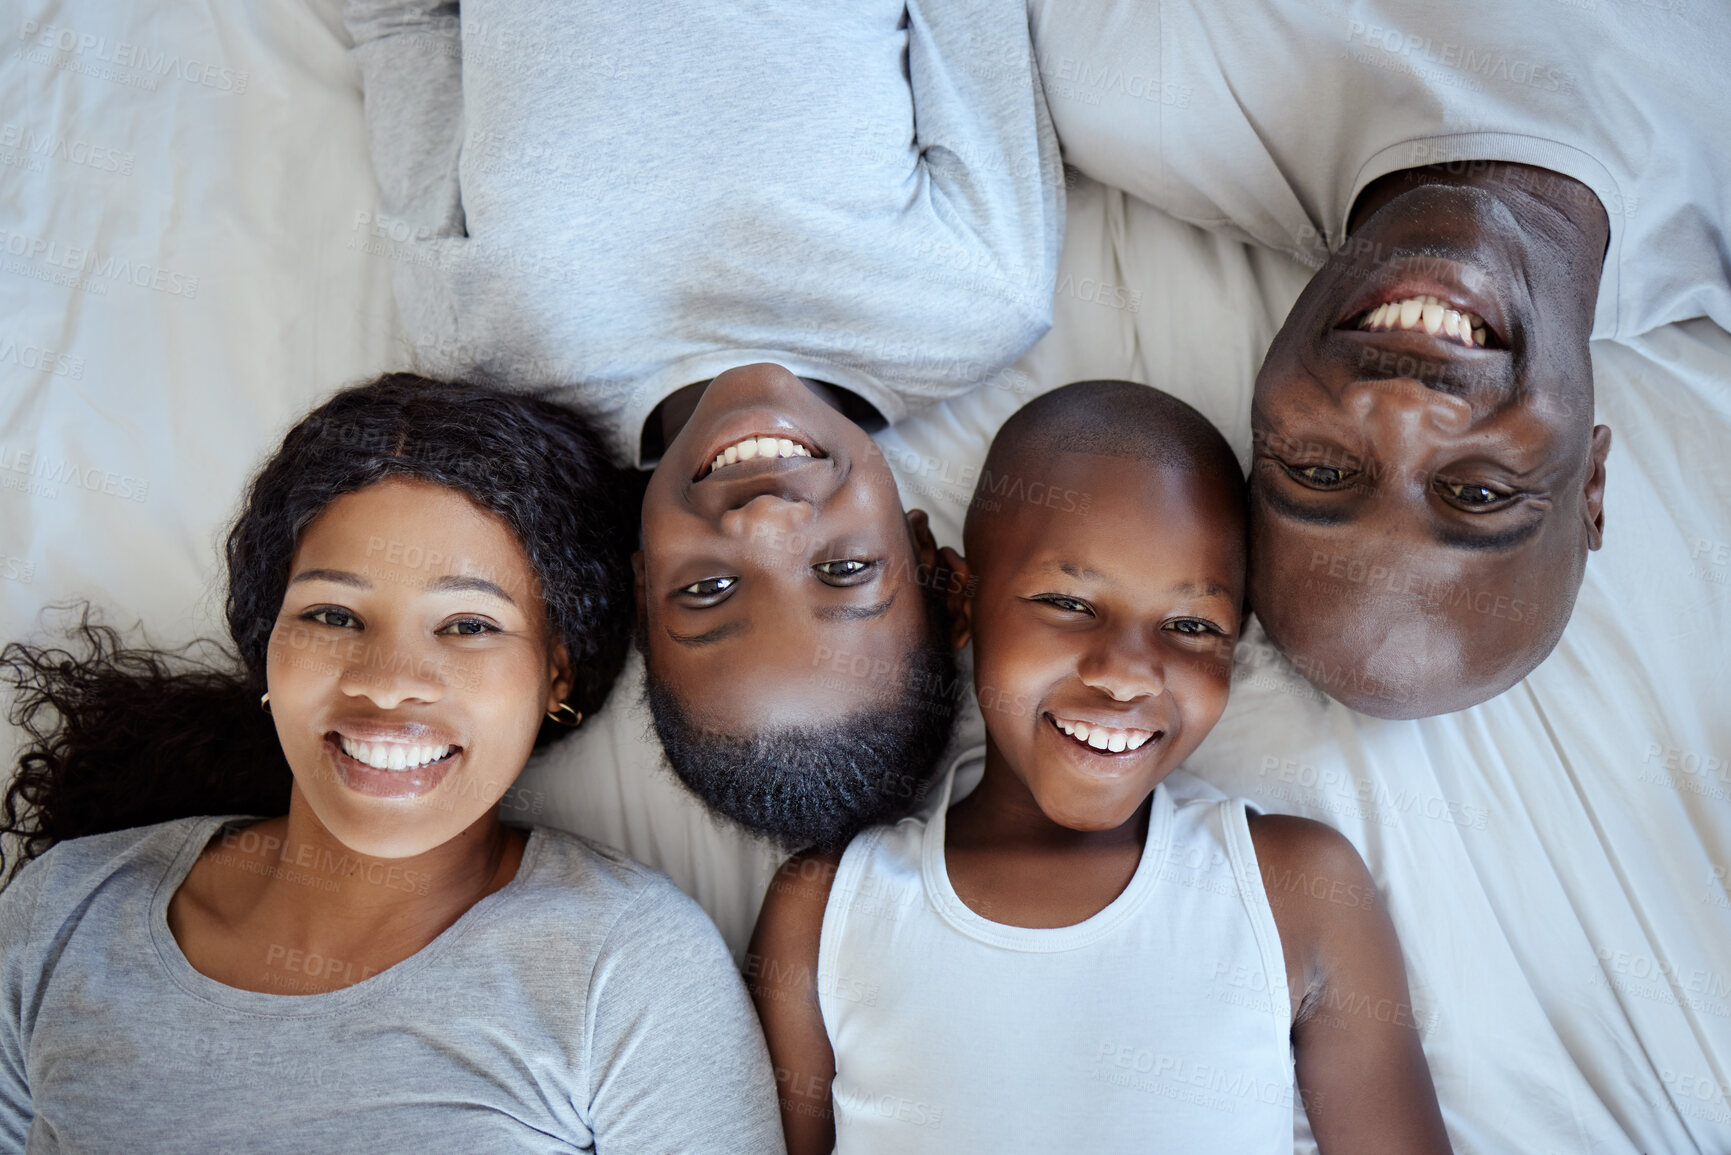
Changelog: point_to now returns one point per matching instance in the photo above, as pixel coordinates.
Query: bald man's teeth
(1430, 315)
(1104, 737)
(392, 755)
(752, 448)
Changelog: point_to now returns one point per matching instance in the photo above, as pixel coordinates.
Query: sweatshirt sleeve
(410, 55)
(677, 1060)
(986, 138)
(17, 915)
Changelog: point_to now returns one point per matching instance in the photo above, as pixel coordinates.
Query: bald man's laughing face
(1426, 478)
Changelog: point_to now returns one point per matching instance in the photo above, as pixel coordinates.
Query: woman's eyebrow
(446, 584)
(461, 583)
(341, 577)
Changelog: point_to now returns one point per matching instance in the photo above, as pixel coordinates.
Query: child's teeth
(731, 455)
(1104, 737)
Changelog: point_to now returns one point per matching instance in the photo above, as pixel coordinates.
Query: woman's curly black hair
(119, 737)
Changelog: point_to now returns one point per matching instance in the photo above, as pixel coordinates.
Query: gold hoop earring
(565, 715)
(264, 702)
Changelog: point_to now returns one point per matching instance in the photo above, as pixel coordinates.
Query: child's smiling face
(1103, 635)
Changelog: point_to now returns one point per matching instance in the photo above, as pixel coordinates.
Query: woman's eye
(469, 627)
(1320, 476)
(842, 568)
(1466, 493)
(709, 587)
(329, 616)
(1068, 604)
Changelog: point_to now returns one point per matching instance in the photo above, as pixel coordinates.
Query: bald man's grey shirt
(636, 197)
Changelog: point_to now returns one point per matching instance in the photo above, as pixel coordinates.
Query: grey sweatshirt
(634, 197)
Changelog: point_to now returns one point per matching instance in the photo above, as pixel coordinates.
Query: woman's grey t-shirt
(587, 1005)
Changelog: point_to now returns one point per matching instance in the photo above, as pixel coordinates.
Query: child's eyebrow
(1194, 589)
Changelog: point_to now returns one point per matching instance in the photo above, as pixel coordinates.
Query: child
(427, 581)
(1092, 950)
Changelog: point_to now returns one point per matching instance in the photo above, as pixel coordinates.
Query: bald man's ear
(1593, 507)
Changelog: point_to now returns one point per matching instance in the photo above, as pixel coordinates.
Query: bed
(189, 259)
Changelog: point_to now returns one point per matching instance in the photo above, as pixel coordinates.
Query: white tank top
(1160, 1024)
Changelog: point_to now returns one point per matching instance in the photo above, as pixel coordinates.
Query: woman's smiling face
(410, 666)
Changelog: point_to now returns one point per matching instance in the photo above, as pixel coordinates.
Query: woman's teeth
(753, 447)
(1105, 738)
(392, 755)
(1429, 314)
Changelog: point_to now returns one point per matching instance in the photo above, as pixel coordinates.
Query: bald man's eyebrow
(709, 637)
(459, 583)
(853, 613)
(341, 577)
(1291, 510)
(1501, 540)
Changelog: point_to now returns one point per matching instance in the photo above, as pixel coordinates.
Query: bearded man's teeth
(392, 755)
(1429, 314)
(752, 448)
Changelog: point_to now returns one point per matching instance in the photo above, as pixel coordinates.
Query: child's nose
(1126, 666)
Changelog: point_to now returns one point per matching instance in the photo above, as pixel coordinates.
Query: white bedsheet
(187, 263)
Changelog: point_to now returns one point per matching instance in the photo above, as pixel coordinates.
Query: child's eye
(839, 571)
(709, 587)
(1062, 602)
(330, 616)
(469, 627)
(1195, 627)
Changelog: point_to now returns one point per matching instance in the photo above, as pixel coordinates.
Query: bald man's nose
(1404, 408)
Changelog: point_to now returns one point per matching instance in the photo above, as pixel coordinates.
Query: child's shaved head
(1105, 419)
(1106, 559)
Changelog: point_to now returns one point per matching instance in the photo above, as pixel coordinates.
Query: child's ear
(958, 595)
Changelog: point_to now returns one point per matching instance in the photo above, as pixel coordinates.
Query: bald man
(1484, 189)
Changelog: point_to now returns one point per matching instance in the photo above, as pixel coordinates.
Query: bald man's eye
(709, 589)
(1469, 495)
(1319, 476)
(849, 571)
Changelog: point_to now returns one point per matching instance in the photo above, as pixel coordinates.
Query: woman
(426, 582)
